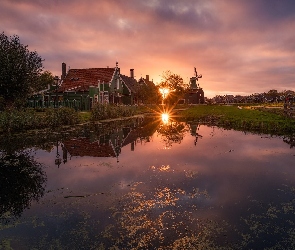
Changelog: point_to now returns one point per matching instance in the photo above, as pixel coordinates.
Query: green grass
(260, 119)
(84, 116)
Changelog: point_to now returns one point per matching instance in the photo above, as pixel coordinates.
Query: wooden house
(131, 89)
(82, 88)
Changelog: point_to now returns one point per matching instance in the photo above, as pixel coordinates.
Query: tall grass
(20, 120)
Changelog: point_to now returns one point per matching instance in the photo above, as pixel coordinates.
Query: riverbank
(264, 119)
(252, 118)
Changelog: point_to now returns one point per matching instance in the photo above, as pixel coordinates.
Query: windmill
(197, 76)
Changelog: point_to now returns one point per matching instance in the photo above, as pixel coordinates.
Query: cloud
(238, 46)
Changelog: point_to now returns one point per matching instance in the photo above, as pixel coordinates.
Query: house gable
(131, 85)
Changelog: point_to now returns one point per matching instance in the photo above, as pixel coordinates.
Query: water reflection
(290, 140)
(172, 132)
(165, 118)
(22, 180)
(232, 191)
(164, 216)
(194, 129)
(108, 143)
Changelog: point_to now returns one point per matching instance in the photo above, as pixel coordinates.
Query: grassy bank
(246, 118)
(15, 121)
(269, 120)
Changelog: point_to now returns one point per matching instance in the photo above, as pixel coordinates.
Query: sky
(240, 47)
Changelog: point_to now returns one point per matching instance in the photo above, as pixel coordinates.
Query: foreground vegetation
(246, 118)
(13, 120)
(271, 120)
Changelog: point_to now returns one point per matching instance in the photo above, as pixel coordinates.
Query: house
(42, 98)
(81, 88)
(131, 89)
(137, 92)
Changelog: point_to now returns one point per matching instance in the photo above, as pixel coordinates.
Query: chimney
(63, 71)
(147, 78)
(132, 73)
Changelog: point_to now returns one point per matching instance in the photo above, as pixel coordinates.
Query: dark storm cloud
(272, 11)
(188, 14)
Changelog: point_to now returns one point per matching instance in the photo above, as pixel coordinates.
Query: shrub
(102, 111)
(61, 116)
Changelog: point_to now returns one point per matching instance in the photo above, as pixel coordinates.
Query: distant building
(195, 94)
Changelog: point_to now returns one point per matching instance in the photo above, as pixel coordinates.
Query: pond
(147, 184)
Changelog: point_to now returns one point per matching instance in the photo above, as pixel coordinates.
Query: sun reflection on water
(165, 118)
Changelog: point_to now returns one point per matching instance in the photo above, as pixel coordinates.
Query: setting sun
(164, 92)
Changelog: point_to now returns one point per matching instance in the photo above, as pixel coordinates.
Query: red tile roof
(82, 79)
(83, 147)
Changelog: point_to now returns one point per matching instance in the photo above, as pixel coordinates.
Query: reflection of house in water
(86, 147)
(108, 145)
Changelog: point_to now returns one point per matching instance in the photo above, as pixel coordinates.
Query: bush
(61, 116)
(102, 111)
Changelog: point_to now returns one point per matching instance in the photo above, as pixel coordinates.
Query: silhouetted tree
(20, 70)
(175, 84)
(46, 78)
(149, 94)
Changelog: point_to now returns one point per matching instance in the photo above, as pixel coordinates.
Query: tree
(149, 94)
(20, 70)
(175, 85)
(46, 78)
(273, 95)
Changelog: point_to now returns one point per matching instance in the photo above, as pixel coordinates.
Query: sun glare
(165, 118)
(164, 92)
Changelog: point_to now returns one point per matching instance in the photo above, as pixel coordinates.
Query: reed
(14, 120)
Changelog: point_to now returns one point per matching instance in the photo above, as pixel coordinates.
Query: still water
(145, 184)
